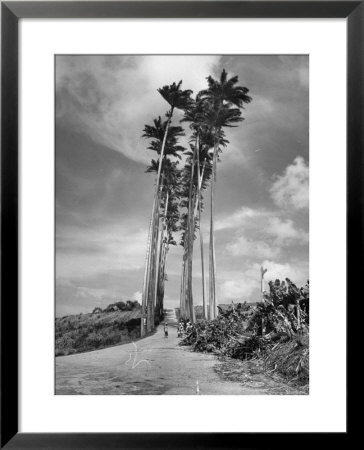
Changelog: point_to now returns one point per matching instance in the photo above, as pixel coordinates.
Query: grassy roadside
(85, 332)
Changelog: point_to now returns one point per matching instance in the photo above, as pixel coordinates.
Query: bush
(121, 305)
(276, 329)
(227, 330)
(291, 359)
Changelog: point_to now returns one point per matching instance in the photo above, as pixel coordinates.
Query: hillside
(100, 329)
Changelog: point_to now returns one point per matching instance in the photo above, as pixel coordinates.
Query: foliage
(207, 114)
(156, 133)
(130, 305)
(177, 188)
(163, 220)
(291, 358)
(175, 96)
(216, 335)
(268, 329)
(225, 90)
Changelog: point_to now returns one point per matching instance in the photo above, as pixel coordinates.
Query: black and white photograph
(182, 224)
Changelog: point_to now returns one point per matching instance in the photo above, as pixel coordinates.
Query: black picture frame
(11, 13)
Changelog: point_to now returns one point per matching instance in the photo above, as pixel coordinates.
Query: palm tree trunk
(211, 273)
(166, 249)
(160, 288)
(212, 264)
(153, 273)
(155, 214)
(159, 280)
(185, 281)
(158, 243)
(190, 259)
(198, 205)
(202, 268)
(190, 236)
(200, 178)
(146, 279)
(182, 307)
(160, 258)
(214, 277)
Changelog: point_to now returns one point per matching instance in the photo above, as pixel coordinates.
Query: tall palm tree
(225, 100)
(185, 299)
(204, 171)
(197, 172)
(194, 115)
(156, 132)
(169, 144)
(169, 205)
(177, 98)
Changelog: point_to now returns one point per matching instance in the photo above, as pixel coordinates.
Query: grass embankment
(85, 332)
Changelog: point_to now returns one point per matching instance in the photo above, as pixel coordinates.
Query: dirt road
(154, 365)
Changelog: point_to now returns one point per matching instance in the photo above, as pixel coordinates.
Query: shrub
(276, 328)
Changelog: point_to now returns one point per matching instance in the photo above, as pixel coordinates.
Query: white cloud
(89, 251)
(264, 222)
(240, 217)
(111, 98)
(238, 290)
(291, 188)
(260, 233)
(256, 249)
(193, 70)
(137, 296)
(296, 271)
(285, 232)
(245, 285)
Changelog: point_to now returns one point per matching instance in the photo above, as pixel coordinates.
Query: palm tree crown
(226, 91)
(156, 132)
(175, 96)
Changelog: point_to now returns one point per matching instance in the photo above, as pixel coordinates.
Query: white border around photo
(324, 409)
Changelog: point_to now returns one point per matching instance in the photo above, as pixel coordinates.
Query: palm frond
(175, 96)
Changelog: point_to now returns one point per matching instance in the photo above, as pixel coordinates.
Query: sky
(104, 197)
